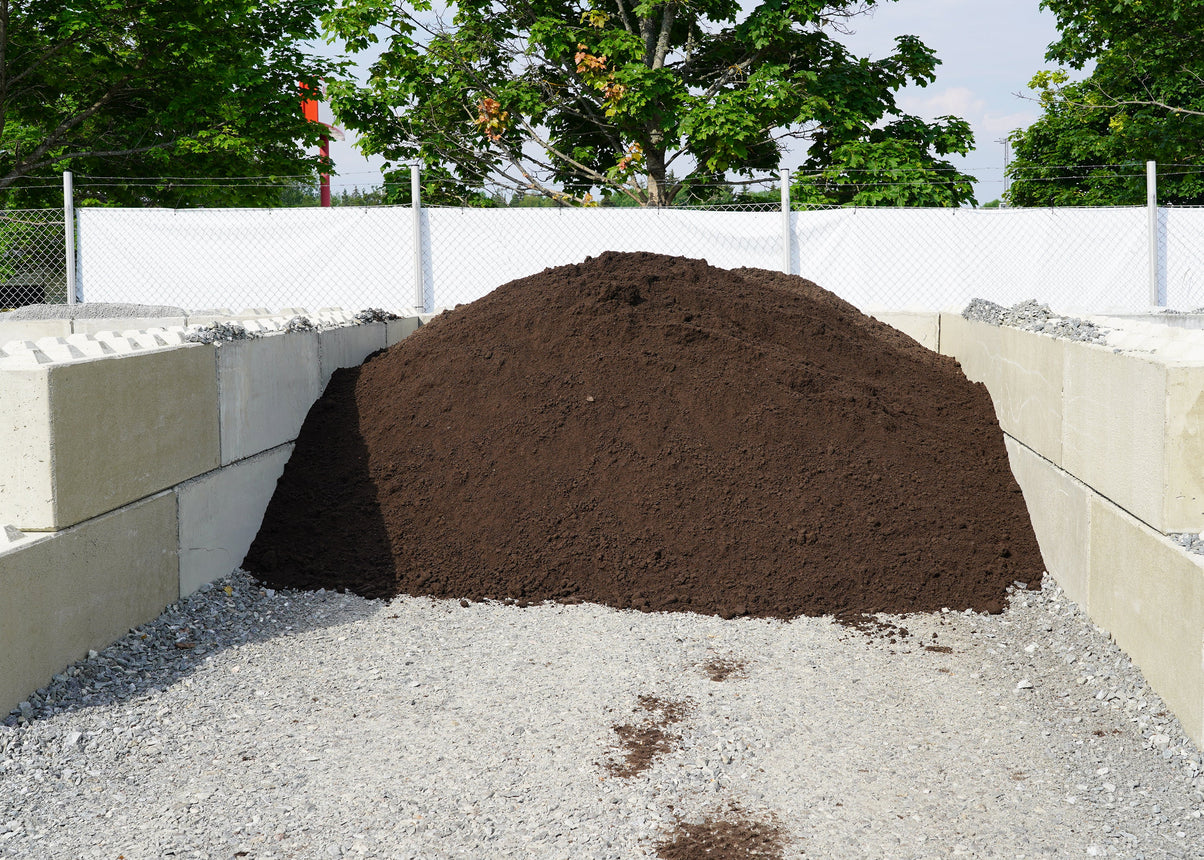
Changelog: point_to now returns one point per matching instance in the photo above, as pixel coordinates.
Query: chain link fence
(1180, 250)
(1082, 260)
(33, 267)
(432, 257)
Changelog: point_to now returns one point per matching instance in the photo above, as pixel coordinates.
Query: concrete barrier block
(81, 589)
(921, 326)
(1114, 425)
(90, 346)
(32, 329)
(26, 467)
(265, 387)
(348, 346)
(11, 537)
(22, 354)
(59, 349)
(220, 514)
(126, 427)
(94, 326)
(398, 330)
(1059, 508)
(1149, 594)
(1184, 495)
(1022, 371)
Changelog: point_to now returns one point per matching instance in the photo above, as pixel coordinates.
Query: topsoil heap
(651, 432)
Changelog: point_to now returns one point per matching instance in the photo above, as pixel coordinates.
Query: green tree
(581, 99)
(1144, 100)
(171, 88)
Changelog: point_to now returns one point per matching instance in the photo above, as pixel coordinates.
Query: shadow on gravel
(243, 608)
(229, 613)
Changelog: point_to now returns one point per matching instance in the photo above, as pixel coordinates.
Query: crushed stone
(251, 722)
(91, 310)
(1033, 316)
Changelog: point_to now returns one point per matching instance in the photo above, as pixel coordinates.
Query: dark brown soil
(651, 432)
(722, 668)
(731, 836)
(644, 742)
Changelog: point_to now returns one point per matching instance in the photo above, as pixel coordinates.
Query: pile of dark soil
(652, 432)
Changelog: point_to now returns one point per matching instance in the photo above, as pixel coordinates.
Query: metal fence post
(1151, 204)
(416, 208)
(785, 177)
(69, 233)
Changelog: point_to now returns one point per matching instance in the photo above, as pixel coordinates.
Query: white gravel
(249, 723)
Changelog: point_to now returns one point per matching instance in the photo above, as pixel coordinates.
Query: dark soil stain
(646, 741)
(720, 668)
(730, 836)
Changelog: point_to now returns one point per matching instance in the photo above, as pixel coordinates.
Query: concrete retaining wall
(137, 467)
(141, 468)
(1107, 444)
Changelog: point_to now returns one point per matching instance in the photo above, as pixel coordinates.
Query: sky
(989, 50)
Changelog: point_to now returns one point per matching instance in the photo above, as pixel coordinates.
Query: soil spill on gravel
(654, 433)
(730, 835)
(643, 743)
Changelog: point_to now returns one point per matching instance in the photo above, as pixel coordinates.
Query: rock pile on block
(651, 432)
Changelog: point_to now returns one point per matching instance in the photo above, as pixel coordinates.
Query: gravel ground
(250, 723)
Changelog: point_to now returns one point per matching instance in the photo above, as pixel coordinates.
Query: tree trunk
(654, 158)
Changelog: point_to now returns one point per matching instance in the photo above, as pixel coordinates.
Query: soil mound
(652, 432)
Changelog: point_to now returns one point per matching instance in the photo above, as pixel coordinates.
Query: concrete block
(1184, 494)
(398, 330)
(348, 346)
(90, 346)
(1022, 371)
(1113, 427)
(82, 588)
(18, 354)
(1149, 594)
(103, 433)
(1059, 508)
(125, 324)
(265, 387)
(220, 514)
(924, 327)
(27, 468)
(32, 329)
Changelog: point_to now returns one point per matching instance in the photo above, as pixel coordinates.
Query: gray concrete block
(265, 388)
(348, 346)
(81, 589)
(220, 514)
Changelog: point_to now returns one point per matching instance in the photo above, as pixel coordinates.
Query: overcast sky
(989, 50)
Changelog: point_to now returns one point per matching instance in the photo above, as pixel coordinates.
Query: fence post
(69, 233)
(416, 209)
(786, 231)
(1151, 204)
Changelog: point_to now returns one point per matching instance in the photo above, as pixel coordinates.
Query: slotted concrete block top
(86, 437)
(265, 386)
